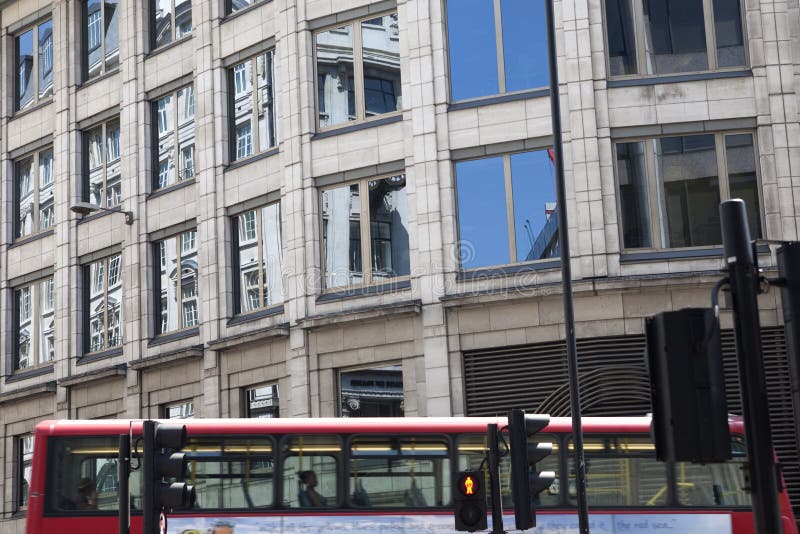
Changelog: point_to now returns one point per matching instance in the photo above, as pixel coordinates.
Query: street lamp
(85, 208)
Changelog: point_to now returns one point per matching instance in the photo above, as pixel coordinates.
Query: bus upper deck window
(311, 471)
(714, 484)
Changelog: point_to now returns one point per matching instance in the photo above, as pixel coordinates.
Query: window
(180, 410)
(170, 20)
(174, 130)
(349, 90)
(253, 105)
(259, 258)
(103, 304)
(176, 276)
(311, 471)
(34, 187)
(262, 401)
(34, 54)
(35, 320)
(237, 5)
(507, 209)
(672, 36)
(373, 392)
(376, 229)
(101, 36)
(670, 188)
(496, 46)
(103, 179)
(24, 445)
(714, 484)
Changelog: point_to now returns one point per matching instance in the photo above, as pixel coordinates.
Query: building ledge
(46, 388)
(168, 358)
(229, 342)
(94, 376)
(399, 309)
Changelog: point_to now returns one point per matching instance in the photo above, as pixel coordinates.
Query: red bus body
(39, 522)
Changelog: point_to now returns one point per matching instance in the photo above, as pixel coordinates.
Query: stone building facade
(341, 207)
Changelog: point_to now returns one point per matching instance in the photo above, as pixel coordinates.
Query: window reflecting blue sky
(482, 213)
(534, 188)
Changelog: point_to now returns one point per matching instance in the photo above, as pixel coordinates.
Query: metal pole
(123, 478)
(149, 511)
(566, 273)
(744, 283)
(789, 272)
(494, 480)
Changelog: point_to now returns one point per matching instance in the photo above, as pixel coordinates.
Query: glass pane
(473, 49)
(482, 217)
(341, 236)
(742, 177)
(249, 273)
(166, 142)
(45, 59)
(113, 178)
(675, 36)
(335, 76)
(25, 196)
(714, 484)
(376, 392)
(162, 27)
(183, 410)
(25, 328)
(687, 171)
(243, 108)
(524, 44)
(272, 258)
(236, 5)
(96, 306)
(25, 462)
(266, 100)
(24, 74)
(183, 18)
(388, 217)
(728, 28)
(535, 213)
(46, 321)
(94, 41)
(111, 33)
(621, 35)
(95, 148)
(185, 105)
(381, 51)
(633, 201)
(46, 188)
(186, 132)
(310, 471)
(168, 299)
(262, 401)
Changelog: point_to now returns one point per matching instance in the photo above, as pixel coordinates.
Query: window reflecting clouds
(33, 77)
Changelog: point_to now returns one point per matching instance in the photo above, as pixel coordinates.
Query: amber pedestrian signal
(470, 501)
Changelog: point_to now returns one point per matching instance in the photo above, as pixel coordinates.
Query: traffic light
(526, 481)
(162, 460)
(470, 501)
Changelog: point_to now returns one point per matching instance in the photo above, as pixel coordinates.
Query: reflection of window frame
(269, 411)
(105, 163)
(88, 29)
(357, 80)
(656, 208)
(376, 368)
(38, 225)
(24, 444)
(33, 302)
(186, 409)
(257, 293)
(173, 20)
(640, 47)
(364, 253)
(261, 98)
(108, 329)
(37, 70)
(183, 167)
(183, 303)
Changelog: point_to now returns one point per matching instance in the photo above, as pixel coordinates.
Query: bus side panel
(36, 491)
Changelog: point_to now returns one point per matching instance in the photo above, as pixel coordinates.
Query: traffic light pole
(494, 479)
(789, 272)
(149, 511)
(744, 284)
(566, 273)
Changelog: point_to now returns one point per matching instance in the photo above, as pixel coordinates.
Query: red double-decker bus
(379, 475)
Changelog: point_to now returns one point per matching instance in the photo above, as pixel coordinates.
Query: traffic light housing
(163, 459)
(526, 481)
(470, 501)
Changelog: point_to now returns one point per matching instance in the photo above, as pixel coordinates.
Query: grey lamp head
(85, 208)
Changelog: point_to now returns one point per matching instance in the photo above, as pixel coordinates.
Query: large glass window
(169, 21)
(34, 65)
(101, 37)
(103, 184)
(373, 392)
(496, 47)
(670, 188)
(262, 401)
(350, 90)
(177, 277)
(103, 312)
(34, 193)
(399, 472)
(507, 209)
(175, 131)
(259, 258)
(311, 471)
(720, 484)
(673, 37)
(35, 324)
(252, 104)
(179, 410)
(375, 228)
(24, 444)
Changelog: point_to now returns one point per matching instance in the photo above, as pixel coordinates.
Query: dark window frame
(256, 101)
(157, 309)
(34, 340)
(87, 312)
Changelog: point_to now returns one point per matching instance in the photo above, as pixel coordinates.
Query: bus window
(311, 471)
(231, 473)
(714, 484)
(621, 471)
(399, 472)
(85, 480)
